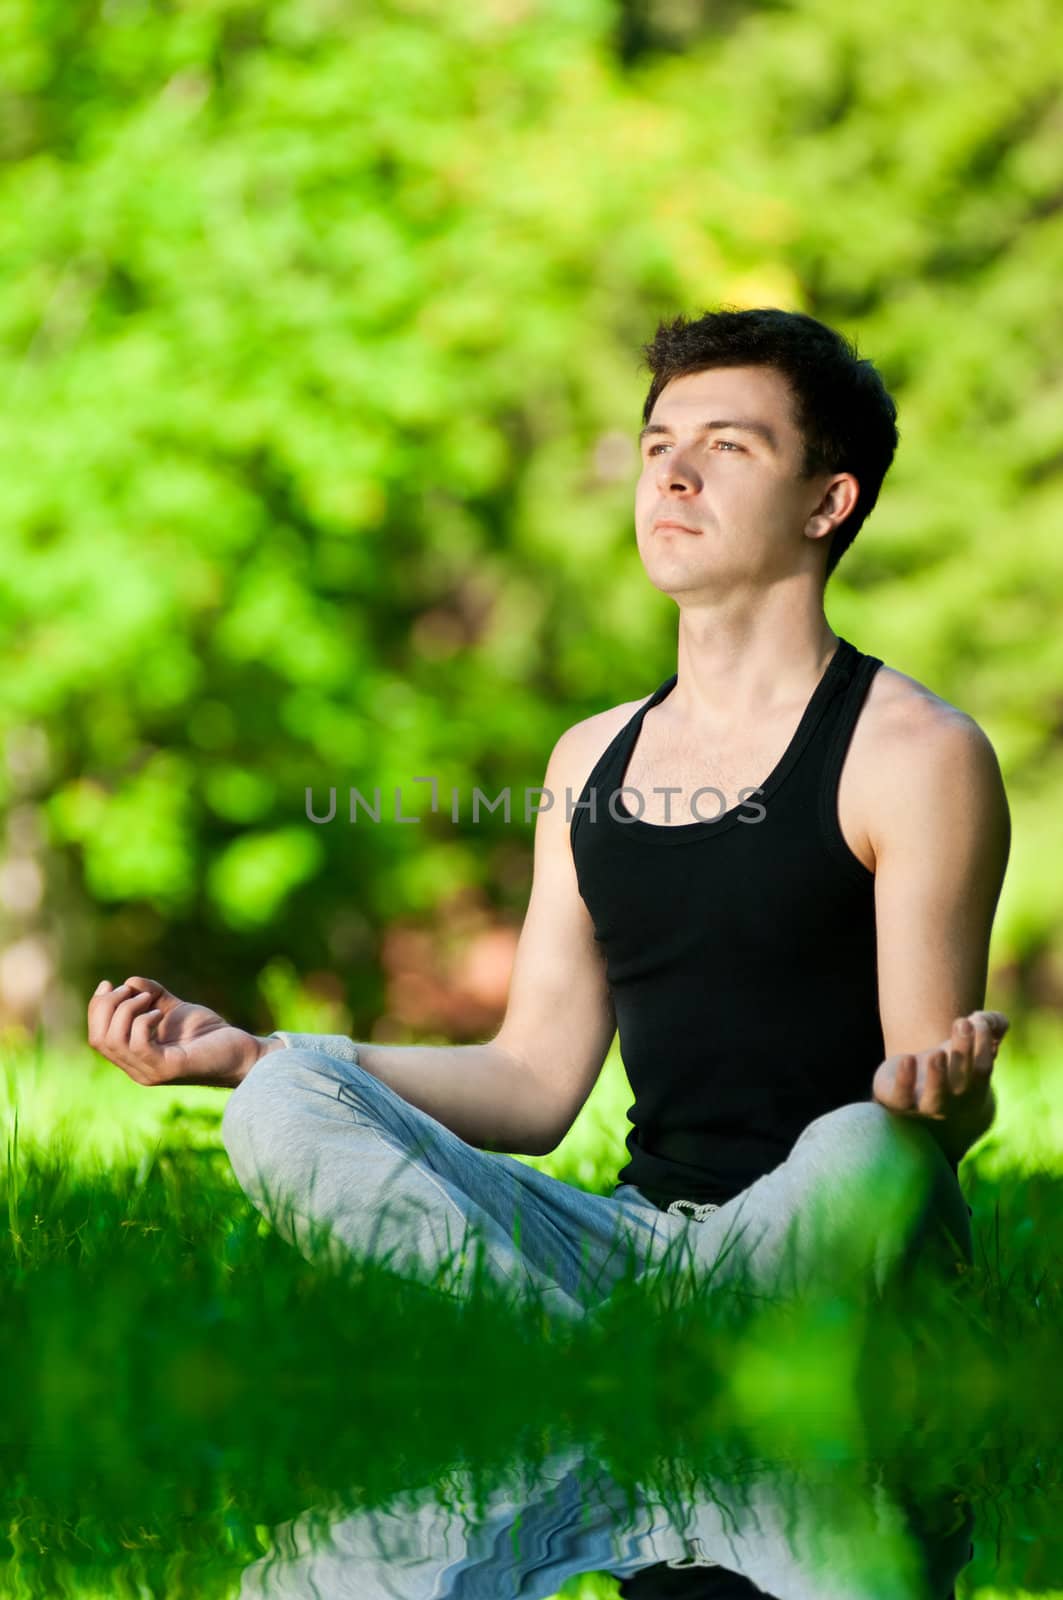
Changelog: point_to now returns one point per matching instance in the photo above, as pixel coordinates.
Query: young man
(778, 882)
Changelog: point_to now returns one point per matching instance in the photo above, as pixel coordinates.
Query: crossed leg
(315, 1141)
(333, 1156)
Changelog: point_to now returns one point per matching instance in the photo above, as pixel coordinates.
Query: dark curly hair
(842, 408)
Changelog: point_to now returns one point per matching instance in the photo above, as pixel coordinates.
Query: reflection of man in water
(830, 1532)
(778, 883)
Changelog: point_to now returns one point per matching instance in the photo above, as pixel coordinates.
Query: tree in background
(319, 331)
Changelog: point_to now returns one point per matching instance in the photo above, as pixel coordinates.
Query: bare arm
(941, 853)
(560, 1020)
(480, 1091)
(521, 1091)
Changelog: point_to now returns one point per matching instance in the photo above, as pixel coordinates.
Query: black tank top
(740, 953)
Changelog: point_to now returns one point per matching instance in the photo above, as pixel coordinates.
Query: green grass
(179, 1380)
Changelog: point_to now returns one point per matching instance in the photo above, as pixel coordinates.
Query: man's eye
(728, 442)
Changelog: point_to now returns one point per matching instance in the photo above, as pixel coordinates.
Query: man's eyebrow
(746, 424)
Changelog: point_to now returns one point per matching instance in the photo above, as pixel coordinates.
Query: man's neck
(732, 668)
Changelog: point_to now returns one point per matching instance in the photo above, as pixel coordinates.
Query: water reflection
(789, 1531)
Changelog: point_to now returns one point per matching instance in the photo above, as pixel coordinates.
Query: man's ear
(835, 504)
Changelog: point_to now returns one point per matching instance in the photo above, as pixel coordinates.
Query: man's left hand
(950, 1081)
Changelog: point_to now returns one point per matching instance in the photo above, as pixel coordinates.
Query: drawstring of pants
(680, 1564)
(698, 1212)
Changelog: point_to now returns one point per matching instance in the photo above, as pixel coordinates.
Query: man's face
(739, 490)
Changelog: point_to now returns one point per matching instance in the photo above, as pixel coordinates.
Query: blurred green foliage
(319, 330)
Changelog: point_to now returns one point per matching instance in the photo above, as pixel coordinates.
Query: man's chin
(674, 579)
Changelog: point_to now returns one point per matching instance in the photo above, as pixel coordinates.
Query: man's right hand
(158, 1039)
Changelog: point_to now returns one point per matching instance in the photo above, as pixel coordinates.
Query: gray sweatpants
(336, 1159)
(804, 1530)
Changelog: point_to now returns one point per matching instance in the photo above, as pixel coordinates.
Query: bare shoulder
(579, 749)
(583, 744)
(905, 717)
(913, 742)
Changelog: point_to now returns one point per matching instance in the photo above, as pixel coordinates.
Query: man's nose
(678, 470)
(678, 482)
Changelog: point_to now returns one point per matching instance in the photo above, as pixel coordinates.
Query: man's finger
(141, 1033)
(982, 1047)
(903, 1096)
(146, 986)
(997, 1023)
(102, 1008)
(932, 1100)
(101, 989)
(959, 1067)
(123, 1016)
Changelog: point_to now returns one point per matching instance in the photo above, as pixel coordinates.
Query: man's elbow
(546, 1145)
